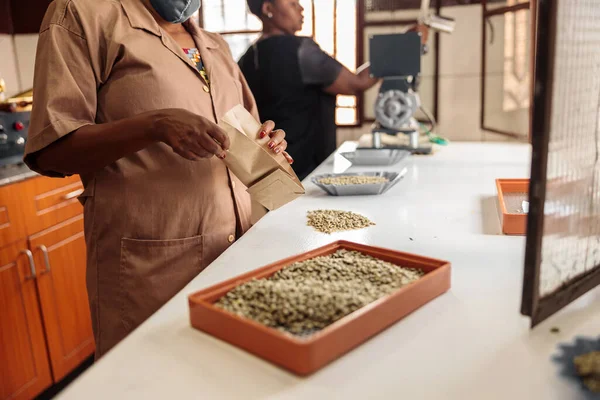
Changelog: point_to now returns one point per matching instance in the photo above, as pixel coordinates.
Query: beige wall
(17, 59)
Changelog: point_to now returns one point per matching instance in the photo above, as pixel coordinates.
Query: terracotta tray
(512, 221)
(304, 356)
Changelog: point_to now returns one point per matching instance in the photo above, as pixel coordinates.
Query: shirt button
(233, 184)
(205, 88)
(231, 238)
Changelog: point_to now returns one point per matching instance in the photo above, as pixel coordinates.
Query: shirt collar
(140, 18)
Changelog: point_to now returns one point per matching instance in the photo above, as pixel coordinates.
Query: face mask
(176, 11)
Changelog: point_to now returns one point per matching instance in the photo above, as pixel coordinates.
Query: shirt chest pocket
(226, 94)
(226, 88)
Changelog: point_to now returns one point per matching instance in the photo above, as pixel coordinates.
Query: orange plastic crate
(513, 223)
(304, 356)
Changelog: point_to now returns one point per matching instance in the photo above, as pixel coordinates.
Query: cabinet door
(12, 217)
(60, 255)
(50, 201)
(24, 371)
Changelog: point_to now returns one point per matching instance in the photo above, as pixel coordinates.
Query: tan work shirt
(153, 220)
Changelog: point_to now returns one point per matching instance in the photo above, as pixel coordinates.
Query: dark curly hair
(255, 6)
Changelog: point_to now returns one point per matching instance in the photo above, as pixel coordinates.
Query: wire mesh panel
(395, 5)
(563, 245)
(390, 5)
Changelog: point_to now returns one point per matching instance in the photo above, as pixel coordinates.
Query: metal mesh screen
(390, 5)
(571, 238)
(393, 5)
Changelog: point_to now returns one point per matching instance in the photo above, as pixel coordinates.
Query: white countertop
(471, 343)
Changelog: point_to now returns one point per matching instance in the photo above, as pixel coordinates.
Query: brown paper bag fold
(270, 179)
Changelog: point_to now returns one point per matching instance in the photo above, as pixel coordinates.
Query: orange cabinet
(45, 324)
(12, 217)
(48, 202)
(59, 255)
(25, 369)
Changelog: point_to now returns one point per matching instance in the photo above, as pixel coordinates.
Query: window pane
(334, 30)
(324, 24)
(507, 78)
(346, 33)
(345, 116)
(346, 101)
(308, 21)
(239, 43)
(234, 16)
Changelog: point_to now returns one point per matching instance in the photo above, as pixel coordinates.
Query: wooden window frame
(485, 15)
(359, 32)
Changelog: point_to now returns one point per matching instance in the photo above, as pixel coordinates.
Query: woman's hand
(275, 139)
(423, 30)
(191, 136)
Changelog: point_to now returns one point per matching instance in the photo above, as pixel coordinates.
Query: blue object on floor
(571, 350)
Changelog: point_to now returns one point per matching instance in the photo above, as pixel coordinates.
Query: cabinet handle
(44, 250)
(29, 255)
(72, 195)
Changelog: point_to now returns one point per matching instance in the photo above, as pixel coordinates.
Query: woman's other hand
(191, 136)
(274, 139)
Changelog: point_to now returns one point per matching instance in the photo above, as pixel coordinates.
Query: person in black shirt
(295, 83)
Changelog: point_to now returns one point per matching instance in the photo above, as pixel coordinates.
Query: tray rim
(511, 223)
(401, 154)
(383, 187)
(199, 297)
(363, 173)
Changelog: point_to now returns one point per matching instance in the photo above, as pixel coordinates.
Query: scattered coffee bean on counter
(353, 180)
(588, 368)
(329, 221)
(307, 296)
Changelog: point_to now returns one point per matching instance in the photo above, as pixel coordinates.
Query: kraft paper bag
(270, 179)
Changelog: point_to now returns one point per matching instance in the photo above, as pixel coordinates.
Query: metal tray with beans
(372, 157)
(358, 184)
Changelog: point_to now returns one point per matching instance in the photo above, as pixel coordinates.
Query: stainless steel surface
(360, 190)
(380, 157)
(394, 108)
(29, 255)
(44, 251)
(414, 140)
(15, 173)
(377, 140)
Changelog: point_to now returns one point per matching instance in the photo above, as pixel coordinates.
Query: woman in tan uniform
(127, 95)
